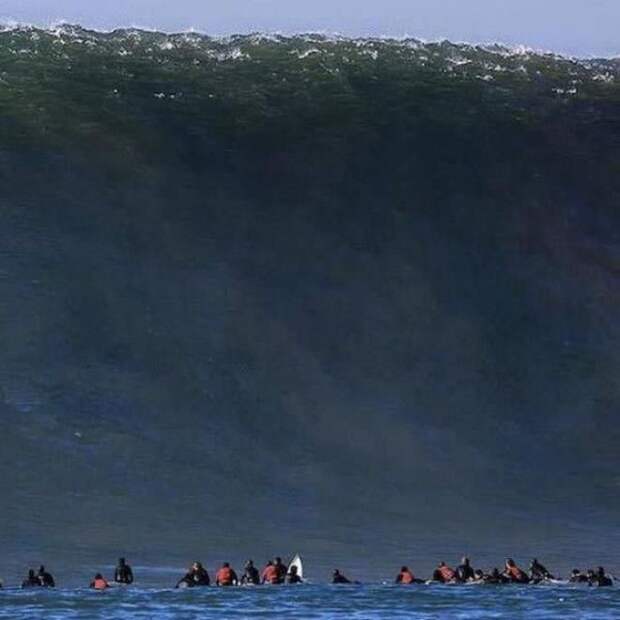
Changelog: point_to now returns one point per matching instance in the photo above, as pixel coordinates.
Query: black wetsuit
(282, 570)
(32, 581)
(579, 578)
(603, 581)
(465, 572)
(46, 579)
(539, 573)
(123, 574)
(495, 578)
(195, 578)
(340, 579)
(201, 577)
(294, 579)
(251, 575)
(187, 581)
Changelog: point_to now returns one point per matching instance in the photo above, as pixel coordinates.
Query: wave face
(355, 298)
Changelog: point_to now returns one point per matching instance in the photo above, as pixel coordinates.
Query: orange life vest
(100, 584)
(271, 574)
(406, 577)
(447, 573)
(516, 574)
(224, 576)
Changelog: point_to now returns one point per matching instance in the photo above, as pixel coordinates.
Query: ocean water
(352, 298)
(317, 601)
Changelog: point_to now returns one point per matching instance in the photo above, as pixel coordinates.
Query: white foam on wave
(455, 52)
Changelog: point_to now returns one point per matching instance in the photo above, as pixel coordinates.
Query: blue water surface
(316, 601)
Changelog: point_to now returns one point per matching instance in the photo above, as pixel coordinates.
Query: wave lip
(63, 29)
(490, 63)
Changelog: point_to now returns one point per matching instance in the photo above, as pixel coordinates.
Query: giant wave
(343, 296)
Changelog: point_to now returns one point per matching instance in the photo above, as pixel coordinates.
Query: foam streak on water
(316, 602)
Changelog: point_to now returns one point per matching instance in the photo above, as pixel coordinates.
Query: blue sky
(581, 27)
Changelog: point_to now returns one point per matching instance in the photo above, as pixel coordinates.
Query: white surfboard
(296, 561)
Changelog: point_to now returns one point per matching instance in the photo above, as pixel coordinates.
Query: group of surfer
(465, 573)
(42, 579)
(276, 572)
(123, 575)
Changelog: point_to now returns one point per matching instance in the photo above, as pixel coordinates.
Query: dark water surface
(374, 601)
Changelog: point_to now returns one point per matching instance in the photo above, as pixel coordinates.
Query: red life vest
(271, 575)
(100, 584)
(407, 577)
(224, 576)
(447, 573)
(516, 574)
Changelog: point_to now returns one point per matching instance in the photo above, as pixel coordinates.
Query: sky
(577, 27)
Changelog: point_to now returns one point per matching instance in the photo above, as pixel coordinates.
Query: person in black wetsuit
(478, 575)
(281, 568)
(338, 577)
(577, 576)
(187, 581)
(601, 579)
(495, 577)
(32, 581)
(538, 572)
(123, 572)
(293, 576)
(251, 574)
(201, 576)
(465, 572)
(196, 576)
(45, 578)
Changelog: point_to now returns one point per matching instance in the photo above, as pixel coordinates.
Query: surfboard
(296, 561)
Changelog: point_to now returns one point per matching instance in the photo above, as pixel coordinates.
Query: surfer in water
(600, 579)
(538, 572)
(226, 576)
(293, 576)
(99, 583)
(32, 580)
(271, 575)
(577, 576)
(513, 573)
(478, 576)
(405, 577)
(251, 576)
(464, 571)
(123, 573)
(281, 568)
(338, 577)
(495, 577)
(195, 576)
(444, 574)
(45, 578)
